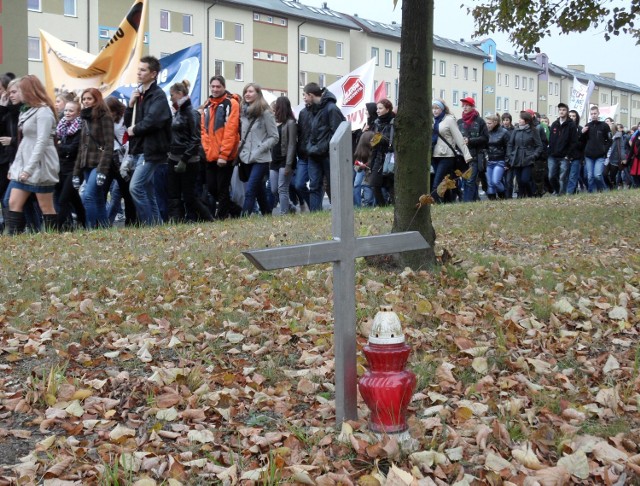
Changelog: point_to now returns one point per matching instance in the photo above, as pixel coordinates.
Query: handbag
(459, 163)
(244, 171)
(389, 165)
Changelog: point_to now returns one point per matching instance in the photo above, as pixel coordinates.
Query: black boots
(15, 223)
(51, 223)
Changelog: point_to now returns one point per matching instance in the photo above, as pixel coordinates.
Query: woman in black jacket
(523, 150)
(184, 158)
(9, 113)
(67, 143)
(377, 180)
(496, 157)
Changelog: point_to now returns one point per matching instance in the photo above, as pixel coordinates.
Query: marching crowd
(90, 162)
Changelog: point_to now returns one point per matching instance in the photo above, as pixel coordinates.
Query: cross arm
(391, 243)
(294, 255)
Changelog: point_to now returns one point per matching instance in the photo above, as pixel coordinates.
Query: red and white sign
(352, 91)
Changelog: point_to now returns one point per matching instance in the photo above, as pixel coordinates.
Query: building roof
(513, 60)
(599, 80)
(292, 8)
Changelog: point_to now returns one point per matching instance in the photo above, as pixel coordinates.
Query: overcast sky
(619, 55)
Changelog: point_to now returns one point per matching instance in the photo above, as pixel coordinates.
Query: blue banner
(177, 67)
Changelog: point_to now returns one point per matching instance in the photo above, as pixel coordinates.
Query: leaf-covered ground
(160, 356)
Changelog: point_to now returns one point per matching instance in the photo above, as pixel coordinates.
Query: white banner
(580, 94)
(608, 112)
(353, 92)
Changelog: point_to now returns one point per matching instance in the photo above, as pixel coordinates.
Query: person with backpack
(220, 137)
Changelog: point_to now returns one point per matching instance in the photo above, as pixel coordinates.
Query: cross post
(342, 251)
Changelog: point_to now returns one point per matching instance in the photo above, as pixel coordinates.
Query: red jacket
(220, 126)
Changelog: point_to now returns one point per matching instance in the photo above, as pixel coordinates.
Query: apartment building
(284, 44)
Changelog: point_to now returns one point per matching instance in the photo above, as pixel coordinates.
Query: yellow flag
(68, 68)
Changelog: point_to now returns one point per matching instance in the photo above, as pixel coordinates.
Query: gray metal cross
(342, 251)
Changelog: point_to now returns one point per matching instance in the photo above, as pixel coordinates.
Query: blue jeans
(279, 183)
(368, 196)
(143, 191)
(595, 168)
(525, 185)
(495, 172)
(358, 178)
(301, 179)
(441, 167)
(115, 205)
(254, 190)
(558, 174)
(317, 170)
(160, 185)
(574, 176)
(470, 185)
(94, 199)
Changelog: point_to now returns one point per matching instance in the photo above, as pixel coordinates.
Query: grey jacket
(259, 140)
(525, 146)
(37, 154)
(289, 142)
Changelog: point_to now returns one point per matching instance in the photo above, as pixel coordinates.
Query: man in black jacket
(596, 138)
(563, 139)
(148, 117)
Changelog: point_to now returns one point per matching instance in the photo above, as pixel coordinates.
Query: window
(187, 24)
(303, 79)
(475, 96)
(70, 8)
(398, 63)
(218, 29)
(443, 94)
(239, 33)
(475, 74)
(269, 19)
(375, 54)
(283, 22)
(550, 109)
(103, 33)
(455, 70)
(256, 54)
(34, 5)
(550, 87)
(456, 98)
(387, 58)
(339, 50)
(322, 47)
(465, 94)
(303, 43)
(506, 80)
(256, 16)
(506, 104)
(531, 106)
(443, 68)
(269, 56)
(516, 82)
(239, 72)
(321, 80)
(499, 79)
(614, 100)
(531, 86)
(555, 89)
(516, 105)
(218, 68)
(283, 58)
(34, 52)
(465, 72)
(387, 88)
(165, 20)
(603, 98)
(498, 103)
(433, 67)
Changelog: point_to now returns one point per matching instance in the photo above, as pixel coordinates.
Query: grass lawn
(161, 356)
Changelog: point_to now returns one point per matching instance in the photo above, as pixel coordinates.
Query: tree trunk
(413, 136)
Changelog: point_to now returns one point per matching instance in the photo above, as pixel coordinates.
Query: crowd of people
(533, 157)
(90, 162)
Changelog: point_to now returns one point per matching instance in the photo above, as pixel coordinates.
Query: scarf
(66, 128)
(436, 128)
(469, 117)
(86, 113)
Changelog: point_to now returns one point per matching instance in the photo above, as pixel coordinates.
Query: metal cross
(342, 252)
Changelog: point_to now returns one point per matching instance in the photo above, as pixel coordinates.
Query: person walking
(523, 150)
(148, 118)
(184, 158)
(563, 139)
(496, 157)
(220, 135)
(94, 157)
(476, 137)
(596, 137)
(36, 165)
(283, 153)
(259, 134)
(326, 117)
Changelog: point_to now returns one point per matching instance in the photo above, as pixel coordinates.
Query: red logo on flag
(353, 91)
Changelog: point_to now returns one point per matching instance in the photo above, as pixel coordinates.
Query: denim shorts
(37, 189)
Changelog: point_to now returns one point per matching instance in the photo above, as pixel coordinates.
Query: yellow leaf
(81, 394)
(375, 140)
(425, 200)
(424, 307)
(467, 174)
(464, 413)
(50, 399)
